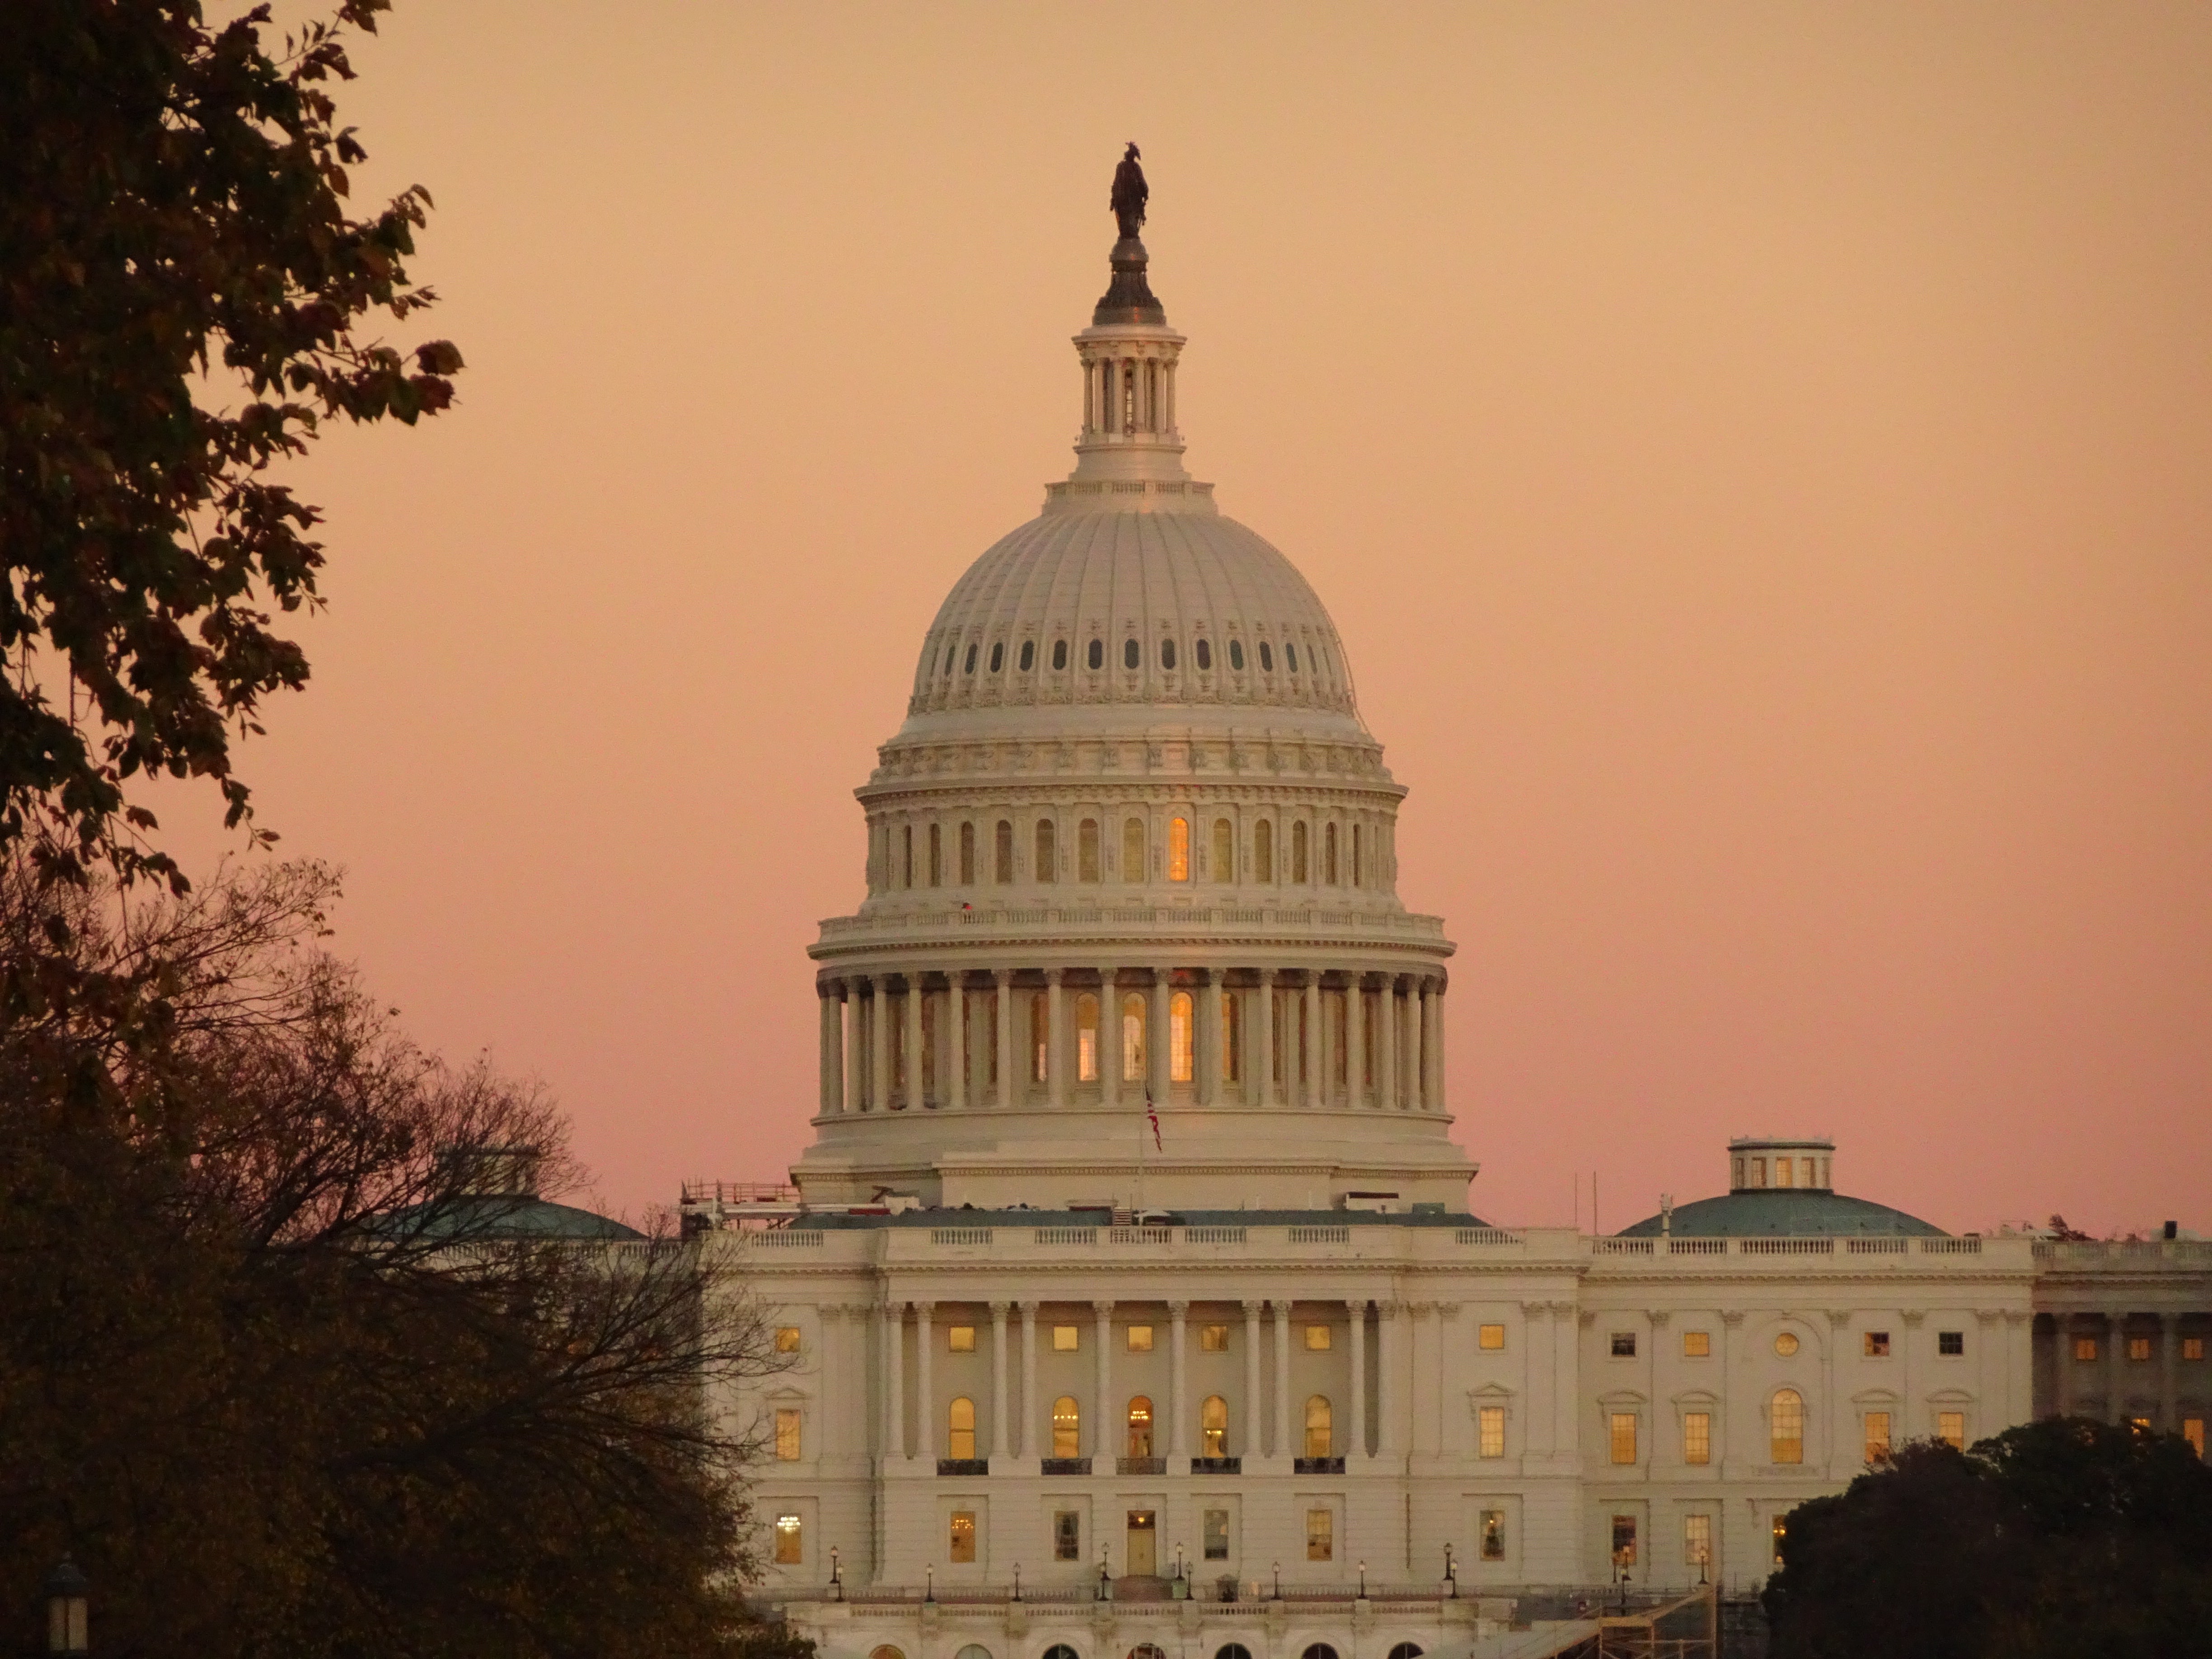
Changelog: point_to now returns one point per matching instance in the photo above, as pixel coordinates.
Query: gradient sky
(1760, 458)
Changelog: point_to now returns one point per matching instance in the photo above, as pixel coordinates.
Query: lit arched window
(966, 855)
(1236, 655)
(1204, 651)
(1141, 1427)
(1167, 654)
(1320, 1441)
(1132, 849)
(960, 1428)
(1232, 1038)
(1040, 1037)
(1298, 876)
(1133, 1039)
(1179, 1044)
(1098, 657)
(1788, 1426)
(1131, 654)
(1266, 658)
(906, 856)
(1086, 850)
(886, 1652)
(971, 660)
(1329, 854)
(1048, 859)
(1059, 655)
(936, 856)
(1003, 838)
(1214, 1427)
(1066, 1427)
(1178, 849)
(1263, 851)
(1086, 1038)
(998, 655)
(1029, 655)
(1224, 850)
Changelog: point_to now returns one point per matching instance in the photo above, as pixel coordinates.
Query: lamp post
(1018, 1581)
(837, 1583)
(929, 1583)
(1279, 1581)
(67, 1593)
(1363, 1581)
(1451, 1572)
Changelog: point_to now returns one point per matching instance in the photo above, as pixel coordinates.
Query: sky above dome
(1756, 458)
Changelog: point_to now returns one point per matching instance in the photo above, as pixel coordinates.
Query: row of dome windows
(1132, 656)
(1325, 857)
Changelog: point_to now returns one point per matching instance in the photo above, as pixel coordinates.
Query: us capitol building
(1129, 1292)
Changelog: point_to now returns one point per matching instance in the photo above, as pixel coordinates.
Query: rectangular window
(1623, 1540)
(1953, 1343)
(961, 1546)
(1492, 1423)
(1624, 1345)
(1214, 1338)
(1951, 1427)
(1776, 1533)
(790, 1541)
(1321, 1535)
(786, 1435)
(1493, 1534)
(2192, 1431)
(1065, 1338)
(1623, 1437)
(2085, 1347)
(960, 1339)
(1696, 1436)
(1758, 1172)
(1491, 1337)
(786, 1338)
(1697, 1344)
(1781, 1166)
(1877, 1436)
(1067, 1535)
(1215, 1532)
(1317, 1339)
(1696, 1540)
(2193, 1347)
(2138, 1347)
(1875, 1345)
(1140, 1339)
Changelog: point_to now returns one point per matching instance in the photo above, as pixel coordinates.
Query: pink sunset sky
(1759, 459)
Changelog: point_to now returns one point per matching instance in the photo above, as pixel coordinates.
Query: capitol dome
(1132, 930)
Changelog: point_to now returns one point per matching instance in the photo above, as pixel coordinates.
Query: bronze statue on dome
(1130, 192)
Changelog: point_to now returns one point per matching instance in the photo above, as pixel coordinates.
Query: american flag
(1153, 1118)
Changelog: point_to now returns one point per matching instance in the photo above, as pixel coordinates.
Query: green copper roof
(1792, 1213)
(517, 1215)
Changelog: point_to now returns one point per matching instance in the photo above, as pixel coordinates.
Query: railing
(739, 1191)
(1380, 921)
(1318, 1466)
(1067, 1465)
(1143, 1235)
(1950, 1247)
(2145, 1250)
(1214, 1235)
(1623, 1246)
(1066, 1236)
(1485, 1235)
(960, 1235)
(1217, 1466)
(1320, 1235)
(1786, 1246)
(969, 1465)
(1697, 1247)
(1141, 1466)
(784, 1238)
(1876, 1246)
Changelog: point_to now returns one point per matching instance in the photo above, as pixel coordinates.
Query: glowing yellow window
(1491, 1337)
(1491, 1425)
(1696, 1436)
(786, 1338)
(1214, 1338)
(1951, 1428)
(1180, 1066)
(786, 1435)
(1178, 849)
(1786, 1344)
(1493, 1534)
(1623, 1540)
(2138, 1347)
(2085, 1347)
(961, 1546)
(1320, 1437)
(960, 1428)
(1697, 1344)
(1787, 1440)
(790, 1540)
(1321, 1535)
(1623, 1437)
(1214, 1427)
(1317, 1339)
(2193, 1347)
(1877, 1436)
(960, 1339)
(1140, 1339)
(1141, 1427)
(1697, 1539)
(1066, 1427)
(1086, 1038)
(2192, 1431)
(1067, 1338)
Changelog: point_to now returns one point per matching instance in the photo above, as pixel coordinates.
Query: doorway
(1142, 1558)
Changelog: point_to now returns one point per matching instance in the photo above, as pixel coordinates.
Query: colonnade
(2113, 1373)
(1129, 392)
(1111, 1037)
(1027, 1432)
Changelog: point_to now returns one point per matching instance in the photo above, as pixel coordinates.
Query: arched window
(1406, 1651)
(1098, 657)
(966, 855)
(1060, 1650)
(1048, 856)
(1236, 655)
(971, 660)
(936, 856)
(1329, 854)
(1178, 849)
(1788, 1413)
(1148, 1650)
(1133, 1039)
(1086, 1038)
(1224, 850)
(1141, 1427)
(1318, 1649)
(1167, 654)
(1029, 655)
(998, 655)
(1213, 1428)
(1040, 1037)
(1132, 849)
(1232, 1038)
(1179, 1044)
(1132, 655)
(1319, 1437)
(906, 856)
(1266, 658)
(1086, 850)
(960, 1428)
(1298, 876)
(1203, 651)
(952, 651)
(886, 1652)
(977, 1650)
(1232, 1650)
(1003, 850)
(1357, 850)
(1291, 656)
(1059, 655)
(1263, 851)
(1066, 1427)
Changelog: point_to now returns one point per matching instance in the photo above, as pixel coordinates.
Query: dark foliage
(2060, 1538)
(179, 290)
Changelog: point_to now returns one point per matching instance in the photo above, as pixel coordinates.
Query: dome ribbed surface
(1795, 1213)
(1193, 587)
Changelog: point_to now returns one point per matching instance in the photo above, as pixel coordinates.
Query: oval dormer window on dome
(998, 656)
(1098, 653)
(1131, 655)
(971, 659)
(1167, 654)
(1029, 656)
(1203, 651)
(1291, 656)
(1059, 654)
(951, 651)
(1266, 658)
(1236, 655)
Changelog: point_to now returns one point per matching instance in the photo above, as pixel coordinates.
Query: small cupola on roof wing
(1759, 1163)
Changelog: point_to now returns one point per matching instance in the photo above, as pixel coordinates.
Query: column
(856, 1052)
(1416, 1034)
(1159, 1038)
(1356, 1434)
(1055, 1039)
(1178, 1390)
(832, 1049)
(1110, 1040)
(2061, 1367)
(925, 1397)
(917, 1082)
(998, 1447)
(1250, 1441)
(1169, 425)
(1917, 1422)
(2116, 1361)
(1026, 1417)
(1837, 1435)
(2020, 1365)
(1260, 1055)
(1566, 1385)
(1212, 1053)
(1355, 1039)
(894, 1330)
(1424, 1341)
(1389, 1406)
(1437, 1097)
(1386, 1046)
(954, 1040)
(2169, 1382)
(1285, 1445)
(1005, 976)
(1313, 1065)
(1537, 1424)
(880, 1039)
(1102, 1439)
